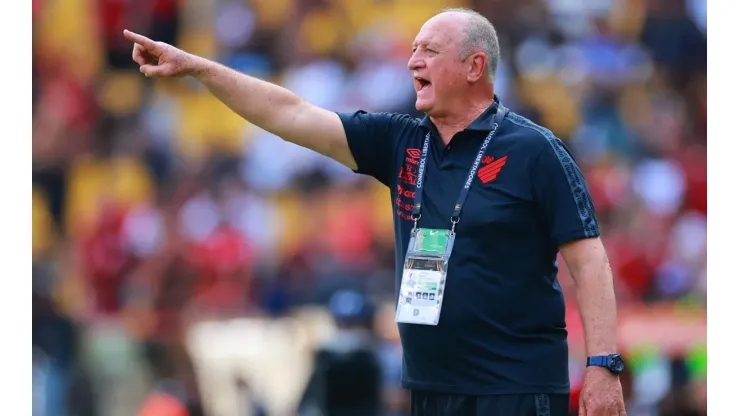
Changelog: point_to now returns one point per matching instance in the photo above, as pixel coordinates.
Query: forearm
(276, 110)
(263, 104)
(597, 306)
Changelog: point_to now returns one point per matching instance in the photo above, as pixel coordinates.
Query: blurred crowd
(186, 262)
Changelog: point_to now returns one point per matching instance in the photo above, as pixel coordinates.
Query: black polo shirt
(502, 325)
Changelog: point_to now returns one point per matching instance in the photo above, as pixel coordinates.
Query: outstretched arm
(266, 105)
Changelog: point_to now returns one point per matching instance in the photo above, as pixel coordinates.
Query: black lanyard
(501, 112)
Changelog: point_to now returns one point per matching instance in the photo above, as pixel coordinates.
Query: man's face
(435, 63)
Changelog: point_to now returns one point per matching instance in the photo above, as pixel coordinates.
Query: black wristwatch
(612, 362)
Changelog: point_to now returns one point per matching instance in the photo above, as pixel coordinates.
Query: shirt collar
(484, 122)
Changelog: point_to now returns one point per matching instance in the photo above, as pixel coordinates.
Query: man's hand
(158, 59)
(601, 394)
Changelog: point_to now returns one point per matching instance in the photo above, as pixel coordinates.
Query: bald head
(478, 35)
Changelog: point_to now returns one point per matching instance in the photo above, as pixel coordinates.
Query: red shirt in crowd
(223, 266)
(104, 260)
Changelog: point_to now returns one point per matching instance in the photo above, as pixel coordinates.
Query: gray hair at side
(480, 36)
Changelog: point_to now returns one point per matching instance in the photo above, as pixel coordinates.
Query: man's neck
(448, 125)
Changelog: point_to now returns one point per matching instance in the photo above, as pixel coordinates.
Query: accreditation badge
(424, 276)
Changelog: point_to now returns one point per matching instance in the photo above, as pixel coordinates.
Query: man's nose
(416, 62)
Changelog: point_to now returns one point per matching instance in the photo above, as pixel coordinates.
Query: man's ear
(477, 63)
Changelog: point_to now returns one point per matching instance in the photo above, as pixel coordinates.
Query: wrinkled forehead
(443, 31)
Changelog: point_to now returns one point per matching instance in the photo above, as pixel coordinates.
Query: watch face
(618, 364)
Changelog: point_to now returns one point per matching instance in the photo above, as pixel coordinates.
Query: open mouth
(421, 83)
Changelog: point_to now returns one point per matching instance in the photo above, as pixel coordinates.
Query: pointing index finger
(141, 40)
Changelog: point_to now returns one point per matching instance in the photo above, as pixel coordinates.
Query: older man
(484, 199)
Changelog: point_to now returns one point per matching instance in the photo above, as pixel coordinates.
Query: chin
(423, 105)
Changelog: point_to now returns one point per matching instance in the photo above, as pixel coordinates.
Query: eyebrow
(425, 44)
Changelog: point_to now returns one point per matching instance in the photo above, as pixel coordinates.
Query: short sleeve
(374, 140)
(562, 195)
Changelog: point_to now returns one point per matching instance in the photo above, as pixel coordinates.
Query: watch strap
(599, 361)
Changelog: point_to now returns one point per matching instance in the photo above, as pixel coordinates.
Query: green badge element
(431, 241)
